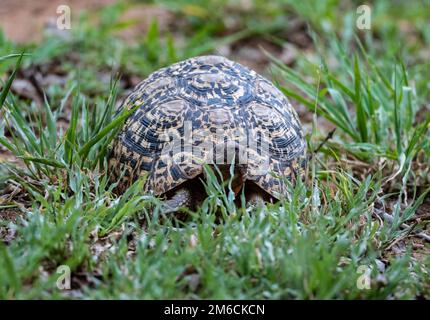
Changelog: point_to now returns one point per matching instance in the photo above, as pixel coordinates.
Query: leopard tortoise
(208, 110)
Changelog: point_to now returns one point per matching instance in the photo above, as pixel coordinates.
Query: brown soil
(9, 215)
(24, 20)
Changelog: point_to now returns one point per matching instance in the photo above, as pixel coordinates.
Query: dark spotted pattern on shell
(207, 95)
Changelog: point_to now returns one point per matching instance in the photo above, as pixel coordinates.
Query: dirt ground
(25, 20)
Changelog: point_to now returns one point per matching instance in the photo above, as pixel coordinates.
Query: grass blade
(83, 152)
(49, 162)
(8, 84)
(361, 115)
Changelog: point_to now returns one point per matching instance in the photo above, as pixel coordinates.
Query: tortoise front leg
(255, 196)
(255, 199)
(181, 198)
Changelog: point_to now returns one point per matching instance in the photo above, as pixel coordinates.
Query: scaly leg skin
(255, 199)
(255, 196)
(181, 198)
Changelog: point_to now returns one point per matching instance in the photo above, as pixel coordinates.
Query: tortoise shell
(190, 110)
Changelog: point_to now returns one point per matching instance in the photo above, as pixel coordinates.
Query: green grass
(310, 245)
(374, 106)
